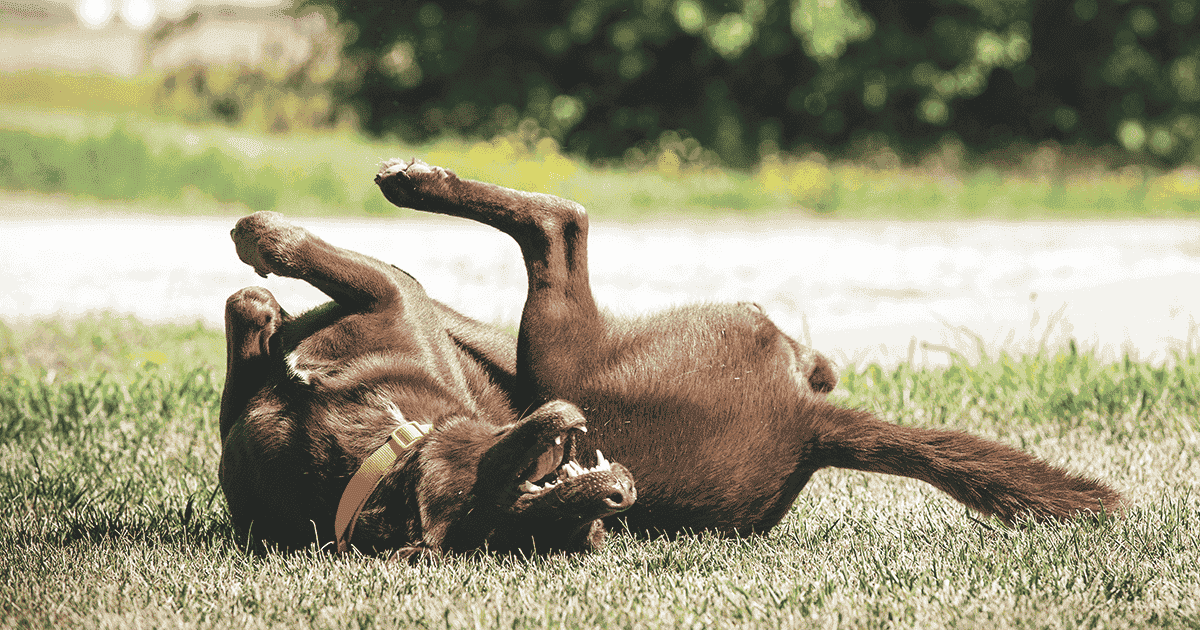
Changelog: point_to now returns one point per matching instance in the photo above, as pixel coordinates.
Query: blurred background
(836, 107)
(970, 114)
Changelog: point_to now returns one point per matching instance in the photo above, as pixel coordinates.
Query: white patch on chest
(393, 411)
(294, 369)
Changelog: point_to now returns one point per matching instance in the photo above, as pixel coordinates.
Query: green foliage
(184, 169)
(91, 92)
(279, 93)
(751, 77)
(122, 166)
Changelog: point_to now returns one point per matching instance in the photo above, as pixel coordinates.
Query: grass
(164, 166)
(96, 138)
(113, 517)
(108, 440)
(91, 92)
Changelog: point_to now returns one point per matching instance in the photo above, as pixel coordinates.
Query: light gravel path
(859, 291)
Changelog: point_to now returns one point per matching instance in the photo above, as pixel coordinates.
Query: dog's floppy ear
(467, 471)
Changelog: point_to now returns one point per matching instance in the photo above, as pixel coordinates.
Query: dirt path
(858, 291)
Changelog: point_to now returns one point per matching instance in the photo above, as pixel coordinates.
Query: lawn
(212, 169)
(108, 454)
(109, 448)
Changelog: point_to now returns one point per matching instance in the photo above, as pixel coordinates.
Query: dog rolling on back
(384, 371)
(719, 417)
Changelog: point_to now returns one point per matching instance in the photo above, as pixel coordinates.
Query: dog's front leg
(251, 318)
(561, 329)
(270, 244)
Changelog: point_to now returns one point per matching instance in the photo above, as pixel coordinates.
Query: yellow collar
(369, 474)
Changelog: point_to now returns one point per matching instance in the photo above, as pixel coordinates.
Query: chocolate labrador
(386, 421)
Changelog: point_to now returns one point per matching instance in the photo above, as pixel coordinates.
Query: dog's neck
(365, 480)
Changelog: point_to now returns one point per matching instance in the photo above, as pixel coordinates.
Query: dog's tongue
(548, 461)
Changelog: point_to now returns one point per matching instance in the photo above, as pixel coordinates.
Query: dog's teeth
(558, 440)
(601, 463)
(529, 486)
(572, 469)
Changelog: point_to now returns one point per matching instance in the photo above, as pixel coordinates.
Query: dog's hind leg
(560, 327)
(251, 318)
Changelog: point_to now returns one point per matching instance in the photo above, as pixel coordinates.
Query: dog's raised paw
(412, 184)
(391, 167)
(262, 240)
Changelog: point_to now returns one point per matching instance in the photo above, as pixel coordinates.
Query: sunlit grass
(113, 516)
(162, 165)
(1068, 389)
(187, 169)
(852, 191)
(105, 343)
(79, 91)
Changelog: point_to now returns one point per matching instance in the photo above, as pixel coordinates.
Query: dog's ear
(448, 485)
(468, 469)
(419, 504)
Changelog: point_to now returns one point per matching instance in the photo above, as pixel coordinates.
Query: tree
(746, 77)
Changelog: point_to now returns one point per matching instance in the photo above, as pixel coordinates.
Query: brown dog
(311, 401)
(720, 417)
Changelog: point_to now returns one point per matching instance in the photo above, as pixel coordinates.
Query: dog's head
(521, 487)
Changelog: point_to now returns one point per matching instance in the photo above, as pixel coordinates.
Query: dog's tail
(987, 476)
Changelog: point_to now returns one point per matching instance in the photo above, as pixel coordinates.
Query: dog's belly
(731, 480)
(708, 455)
(704, 406)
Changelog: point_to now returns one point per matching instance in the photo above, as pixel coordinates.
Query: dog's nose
(621, 497)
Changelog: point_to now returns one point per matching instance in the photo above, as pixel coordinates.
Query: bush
(750, 78)
(279, 93)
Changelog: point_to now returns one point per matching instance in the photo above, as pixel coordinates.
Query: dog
(387, 422)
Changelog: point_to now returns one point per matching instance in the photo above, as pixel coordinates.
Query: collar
(362, 485)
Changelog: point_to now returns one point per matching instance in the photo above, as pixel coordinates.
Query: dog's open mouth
(557, 467)
(550, 482)
(567, 471)
(556, 464)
